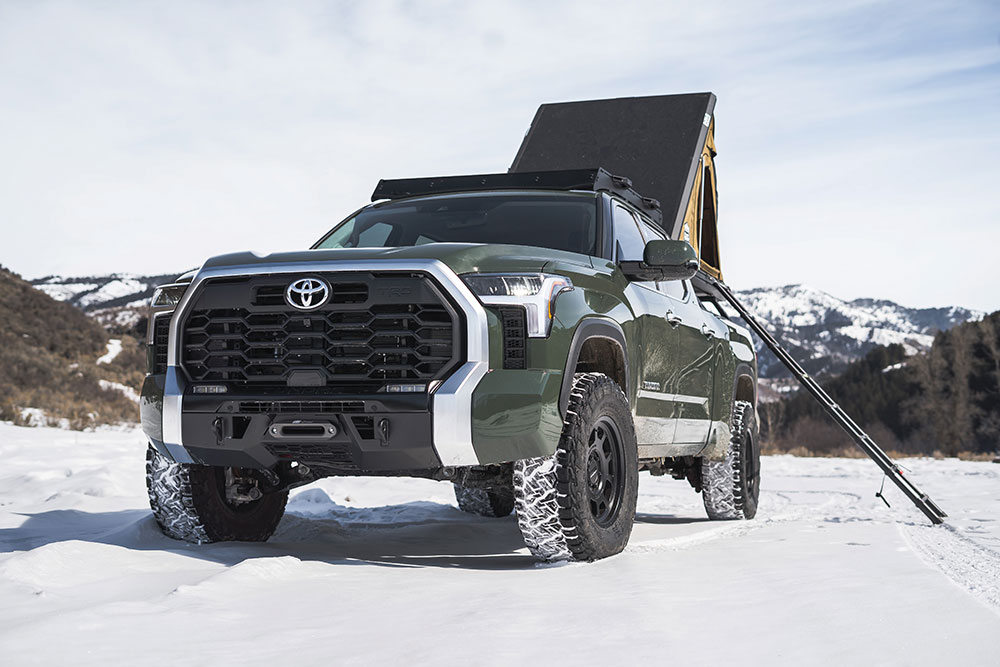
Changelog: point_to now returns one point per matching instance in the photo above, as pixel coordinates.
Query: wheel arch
(600, 345)
(745, 386)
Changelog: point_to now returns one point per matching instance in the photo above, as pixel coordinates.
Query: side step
(861, 439)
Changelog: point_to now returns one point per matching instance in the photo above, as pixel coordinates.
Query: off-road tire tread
(177, 496)
(722, 481)
(550, 523)
(538, 509)
(169, 488)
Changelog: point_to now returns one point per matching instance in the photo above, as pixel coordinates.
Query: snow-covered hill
(96, 292)
(389, 572)
(117, 300)
(825, 333)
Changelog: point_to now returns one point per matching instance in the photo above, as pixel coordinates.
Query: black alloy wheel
(605, 471)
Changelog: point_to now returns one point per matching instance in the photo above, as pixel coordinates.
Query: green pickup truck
(536, 338)
(538, 347)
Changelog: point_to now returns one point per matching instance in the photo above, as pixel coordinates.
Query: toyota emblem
(307, 293)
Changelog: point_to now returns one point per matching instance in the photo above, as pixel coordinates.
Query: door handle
(673, 319)
(705, 329)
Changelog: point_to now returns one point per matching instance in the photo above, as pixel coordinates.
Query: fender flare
(742, 370)
(589, 328)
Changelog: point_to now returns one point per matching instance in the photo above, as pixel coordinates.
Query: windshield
(557, 221)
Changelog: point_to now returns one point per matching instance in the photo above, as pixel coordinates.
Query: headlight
(167, 296)
(536, 292)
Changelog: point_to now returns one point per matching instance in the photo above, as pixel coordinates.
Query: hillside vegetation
(942, 401)
(48, 361)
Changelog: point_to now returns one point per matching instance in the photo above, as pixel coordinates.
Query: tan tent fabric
(700, 227)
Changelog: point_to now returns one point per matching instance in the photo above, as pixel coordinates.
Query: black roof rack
(596, 180)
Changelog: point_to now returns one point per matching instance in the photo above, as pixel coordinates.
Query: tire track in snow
(783, 510)
(729, 529)
(969, 565)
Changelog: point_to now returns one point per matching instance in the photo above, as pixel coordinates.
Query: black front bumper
(332, 434)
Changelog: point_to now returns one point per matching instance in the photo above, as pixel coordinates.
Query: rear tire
(189, 503)
(485, 502)
(580, 503)
(731, 487)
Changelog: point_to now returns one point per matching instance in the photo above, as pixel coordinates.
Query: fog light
(210, 389)
(405, 388)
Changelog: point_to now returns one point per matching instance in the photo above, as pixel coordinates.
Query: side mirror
(664, 260)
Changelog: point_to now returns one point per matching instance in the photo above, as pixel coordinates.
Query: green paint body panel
(515, 415)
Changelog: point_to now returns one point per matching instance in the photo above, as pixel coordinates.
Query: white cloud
(146, 136)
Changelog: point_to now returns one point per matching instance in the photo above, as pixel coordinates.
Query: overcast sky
(857, 141)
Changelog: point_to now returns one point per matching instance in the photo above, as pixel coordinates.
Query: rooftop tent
(664, 144)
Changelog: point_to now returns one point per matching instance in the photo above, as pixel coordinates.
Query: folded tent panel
(664, 144)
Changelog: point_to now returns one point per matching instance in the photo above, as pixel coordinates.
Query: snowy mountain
(117, 300)
(95, 292)
(825, 333)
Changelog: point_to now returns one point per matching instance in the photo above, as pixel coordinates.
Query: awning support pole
(860, 438)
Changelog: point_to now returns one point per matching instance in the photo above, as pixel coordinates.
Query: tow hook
(219, 429)
(383, 433)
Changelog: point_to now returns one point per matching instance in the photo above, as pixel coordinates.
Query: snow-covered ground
(388, 571)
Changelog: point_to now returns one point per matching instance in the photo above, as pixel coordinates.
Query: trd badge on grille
(307, 293)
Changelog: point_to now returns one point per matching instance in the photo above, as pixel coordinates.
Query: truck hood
(460, 257)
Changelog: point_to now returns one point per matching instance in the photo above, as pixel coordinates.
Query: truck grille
(375, 328)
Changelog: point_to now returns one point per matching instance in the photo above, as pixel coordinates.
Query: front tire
(580, 503)
(731, 487)
(189, 503)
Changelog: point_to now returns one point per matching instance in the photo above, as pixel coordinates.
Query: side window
(716, 309)
(710, 307)
(675, 288)
(628, 240)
